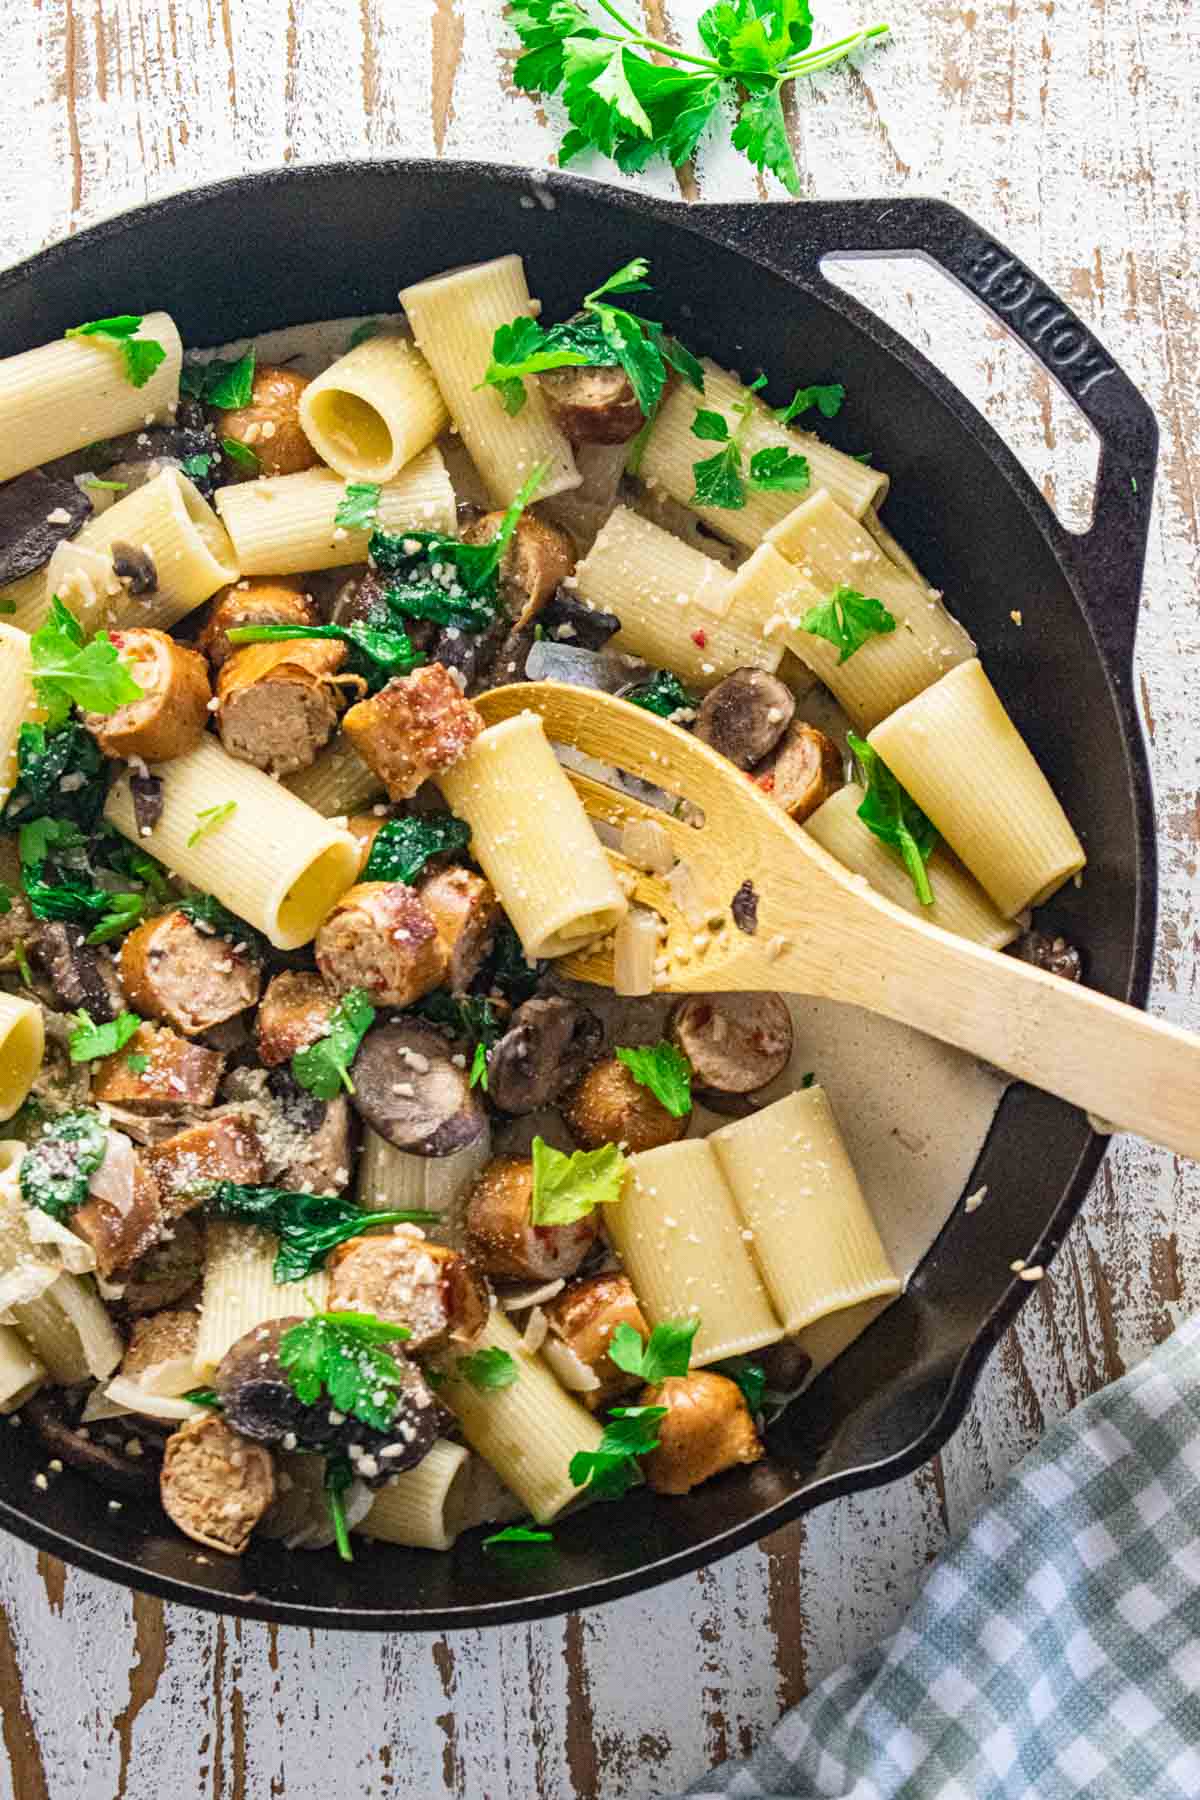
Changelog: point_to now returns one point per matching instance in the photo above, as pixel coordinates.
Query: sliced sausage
(802, 772)
(160, 1337)
(610, 1107)
(594, 404)
(734, 1042)
(294, 1013)
(323, 1154)
(170, 1269)
(544, 1051)
(584, 1317)
(177, 1073)
(119, 1234)
(170, 718)
(416, 727)
(36, 514)
(408, 1090)
(538, 557)
(502, 1237)
(77, 974)
(186, 1165)
(188, 978)
(251, 601)
(745, 716)
(569, 620)
(261, 1403)
(707, 1429)
(214, 1485)
(466, 913)
(403, 1278)
(1052, 953)
(54, 1414)
(382, 938)
(277, 703)
(270, 423)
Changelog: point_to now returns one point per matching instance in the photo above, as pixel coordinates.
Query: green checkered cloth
(1054, 1650)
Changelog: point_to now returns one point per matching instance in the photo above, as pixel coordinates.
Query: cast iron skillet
(742, 282)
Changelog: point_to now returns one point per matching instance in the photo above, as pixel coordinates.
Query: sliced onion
(635, 950)
(75, 1255)
(132, 1396)
(698, 907)
(517, 1299)
(170, 1378)
(646, 844)
(534, 1334)
(571, 1370)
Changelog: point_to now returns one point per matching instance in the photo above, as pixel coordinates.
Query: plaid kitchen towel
(1054, 1650)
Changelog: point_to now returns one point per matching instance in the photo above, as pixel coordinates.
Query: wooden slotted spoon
(822, 931)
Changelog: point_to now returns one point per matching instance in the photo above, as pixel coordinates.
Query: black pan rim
(712, 221)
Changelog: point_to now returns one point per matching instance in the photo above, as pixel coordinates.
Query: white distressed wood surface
(1068, 127)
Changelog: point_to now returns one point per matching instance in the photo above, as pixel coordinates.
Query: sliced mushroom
(168, 1271)
(261, 1403)
(610, 1107)
(170, 718)
(214, 1485)
(1054, 954)
(190, 979)
(294, 1013)
(223, 1148)
(146, 792)
(784, 1364)
(177, 1073)
(502, 1236)
(539, 556)
(404, 1278)
(278, 704)
(594, 404)
(584, 1317)
(77, 974)
(101, 1453)
(416, 727)
(466, 912)
(269, 424)
(707, 1428)
(134, 565)
(361, 599)
(269, 600)
(409, 1090)
(802, 772)
(323, 1154)
(544, 1051)
(138, 456)
(569, 620)
(735, 1043)
(36, 514)
(381, 937)
(745, 716)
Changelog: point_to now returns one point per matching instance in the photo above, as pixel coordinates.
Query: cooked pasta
(16, 701)
(679, 1234)
(392, 1180)
(70, 1330)
(337, 782)
(240, 1290)
(287, 525)
(21, 1374)
(967, 766)
(64, 395)
(532, 838)
(269, 858)
(421, 1506)
(372, 410)
(454, 318)
(22, 1043)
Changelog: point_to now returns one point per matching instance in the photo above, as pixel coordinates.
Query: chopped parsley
(848, 620)
(55, 1171)
(479, 1068)
(140, 356)
(208, 819)
(137, 1064)
(324, 1067)
(369, 328)
(667, 1351)
(487, 1369)
(664, 694)
(197, 466)
(519, 1538)
(339, 1474)
(68, 672)
(894, 817)
(720, 480)
(567, 1188)
(665, 1070)
(205, 1396)
(358, 509)
(402, 847)
(751, 1378)
(612, 1468)
(340, 1357)
(88, 1041)
(308, 1226)
(827, 400)
(226, 385)
(241, 456)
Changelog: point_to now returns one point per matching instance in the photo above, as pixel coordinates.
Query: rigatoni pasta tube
(421, 1507)
(967, 766)
(61, 396)
(272, 860)
(287, 524)
(240, 1289)
(532, 838)
(959, 903)
(813, 1238)
(167, 520)
(373, 409)
(16, 700)
(21, 1374)
(69, 1328)
(830, 550)
(681, 1238)
(672, 450)
(22, 1044)
(337, 783)
(454, 318)
(528, 1431)
(678, 608)
(392, 1180)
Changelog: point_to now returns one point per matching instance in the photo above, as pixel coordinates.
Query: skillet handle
(1105, 562)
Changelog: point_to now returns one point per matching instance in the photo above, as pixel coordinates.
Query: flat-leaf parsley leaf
(667, 1351)
(324, 1068)
(566, 1188)
(848, 620)
(612, 1468)
(665, 1070)
(340, 1356)
(140, 356)
(894, 817)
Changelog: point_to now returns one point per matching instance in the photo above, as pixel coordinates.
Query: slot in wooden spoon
(823, 931)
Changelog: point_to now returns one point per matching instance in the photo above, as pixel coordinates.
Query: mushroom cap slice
(409, 1090)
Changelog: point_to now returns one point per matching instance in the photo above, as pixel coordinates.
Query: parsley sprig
(67, 671)
(324, 1067)
(720, 480)
(139, 356)
(567, 1188)
(665, 1070)
(848, 620)
(612, 1468)
(225, 385)
(894, 817)
(633, 109)
(343, 1357)
(89, 1040)
(666, 1352)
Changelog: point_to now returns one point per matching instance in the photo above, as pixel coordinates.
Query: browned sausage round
(294, 1013)
(401, 1277)
(190, 979)
(707, 1428)
(584, 1317)
(187, 1164)
(120, 1234)
(735, 1043)
(380, 937)
(503, 1238)
(170, 1268)
(539, 556)
(802, 772)
(170, 719)
(158, 1338)
(593, 404)
(215, 1486)
(745, 716)
(417, 726)
(277, 703)
(270, 424)
(177, 1074)
(610, 1107)
(466, 912)
(252, 601)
